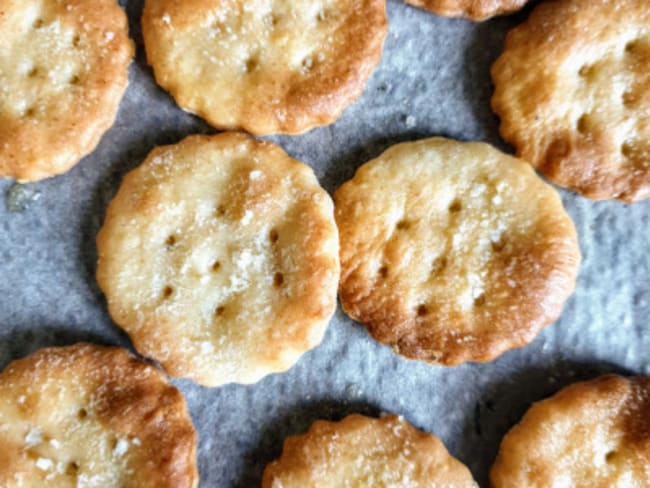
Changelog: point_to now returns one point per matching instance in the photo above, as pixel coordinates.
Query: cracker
(476, 10)
(453, 251)
(590, 434)
(93, 416)
(266, 67)
(572, 88)
(63, 71)
(219, 257)
(365, 452)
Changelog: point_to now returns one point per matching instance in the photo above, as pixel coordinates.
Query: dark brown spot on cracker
(170, 242)
(30, 112)
(455, 206)
(499, 244)
(383, 271)
(252, 64)
(72, 469)
(479, 301)
(273, 236)
(38, 23)
(627, 149)
(278, 280)
(439, 265)
(630, 99)
(168, 291)
(74, 80)
(82, 413)
(76, 40)
(221, 211)
(322, 15)
(307, 64)
(216, 266)
(585, 70)
(422, 310)
(583, 124)
(219, 310)
(403, 225)
(633, 46)
(271, 20)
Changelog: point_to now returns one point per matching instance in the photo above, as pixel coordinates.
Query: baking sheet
(433, 80)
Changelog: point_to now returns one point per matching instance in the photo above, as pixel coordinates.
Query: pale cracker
(363, 452)
(476, 10)
(572, 88)
(63, 71)
(453, 251)
(93, 417)
(219, 257)
(281, 66)
(594, 434)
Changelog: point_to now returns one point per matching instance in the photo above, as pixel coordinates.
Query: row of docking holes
(278, 277)
(35, 72)
(440, 263)
(629, 99)
(72, 468)
(271, 21)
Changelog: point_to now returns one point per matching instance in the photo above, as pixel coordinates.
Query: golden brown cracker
(590, 434)
(453, 251)
(572, 89)
(63, 71)
(362, 452)
(264, 66)
(93, 416)
(219, 257)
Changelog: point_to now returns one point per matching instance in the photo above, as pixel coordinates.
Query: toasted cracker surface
(453, 251)
(92, 416)
(63, 71)
(572, 88)
(219, 257)
(590, 434)
(366, 452)
(264, 66)
(471, 9)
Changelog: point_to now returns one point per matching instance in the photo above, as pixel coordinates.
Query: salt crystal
(121, 447)
(44, 464)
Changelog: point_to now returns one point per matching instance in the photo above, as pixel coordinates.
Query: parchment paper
(433, 80)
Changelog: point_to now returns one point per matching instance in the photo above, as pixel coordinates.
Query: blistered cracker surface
(591, 434)
(364, 452)
(87, 416)
(476, 10)
(453, 251)
(219, 257)
(264, 66)
(433, 79)
(63, 71)
(573, 94)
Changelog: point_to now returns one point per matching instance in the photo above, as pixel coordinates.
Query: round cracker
(266, 67)
(453, 251)
(362, 451)
(476, 10)
(63, 71)
(590, 434)
(219, 257)
(93, 416)
(572, 88)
